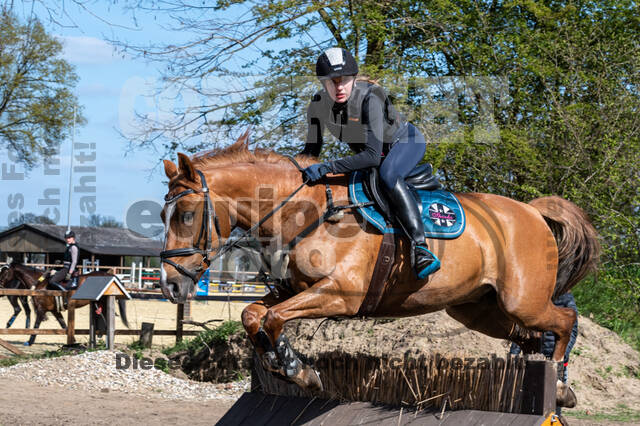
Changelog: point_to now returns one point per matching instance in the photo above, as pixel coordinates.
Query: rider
(70, 261)
(360, 114)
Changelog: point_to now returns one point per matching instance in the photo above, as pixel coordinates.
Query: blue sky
(109, 87)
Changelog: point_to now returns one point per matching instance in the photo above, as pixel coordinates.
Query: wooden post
(146, 334)
(92, 325)
(187, 310)
(539, 388)
(71, 321)
(111, 321)
(179, 319)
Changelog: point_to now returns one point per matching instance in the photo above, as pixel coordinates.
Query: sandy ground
(58, 405)
(161, 314)
(54, 405)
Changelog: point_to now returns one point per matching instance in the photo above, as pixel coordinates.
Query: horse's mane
(239, 152)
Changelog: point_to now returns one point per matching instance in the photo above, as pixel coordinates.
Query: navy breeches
(403, 156)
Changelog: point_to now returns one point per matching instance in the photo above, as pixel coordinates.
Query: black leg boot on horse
(408, 214)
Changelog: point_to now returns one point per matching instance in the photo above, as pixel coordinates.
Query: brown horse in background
(32, 278)
(497, 278)
(15, 300)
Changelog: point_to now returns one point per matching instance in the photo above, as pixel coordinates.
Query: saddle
(419, 178)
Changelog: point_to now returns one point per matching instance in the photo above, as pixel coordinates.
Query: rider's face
(340, 88)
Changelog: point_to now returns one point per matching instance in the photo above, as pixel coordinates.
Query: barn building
(36, 243)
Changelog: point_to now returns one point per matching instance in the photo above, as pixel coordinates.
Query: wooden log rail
(183, 312)
(24, 292)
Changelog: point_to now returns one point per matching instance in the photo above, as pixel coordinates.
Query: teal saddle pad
(442, 213)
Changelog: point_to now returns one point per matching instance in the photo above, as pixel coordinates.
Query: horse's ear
(170, 168)
(243, 141)
(186, 167)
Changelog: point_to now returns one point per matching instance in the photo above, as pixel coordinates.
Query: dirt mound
(603, 369)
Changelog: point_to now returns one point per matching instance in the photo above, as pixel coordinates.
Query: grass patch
(613, 300)
(621, 413)
(211, 337)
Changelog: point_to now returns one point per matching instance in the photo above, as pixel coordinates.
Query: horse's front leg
(16, 310)
(252, 316)
(27, 310)
(324, 299)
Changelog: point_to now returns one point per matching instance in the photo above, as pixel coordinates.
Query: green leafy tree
(36, 94)
(100, 221)
(517, 98)
(31, 218)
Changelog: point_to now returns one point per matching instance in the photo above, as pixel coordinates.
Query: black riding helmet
(336, 62)
(69, 234)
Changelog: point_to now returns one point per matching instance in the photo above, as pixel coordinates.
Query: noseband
(209, 219)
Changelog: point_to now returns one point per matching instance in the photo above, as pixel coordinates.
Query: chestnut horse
(497, 278)
(32, 278)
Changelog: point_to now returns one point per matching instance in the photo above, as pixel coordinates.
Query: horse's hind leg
(547, 317)
(32, 339)
(534, 310)
(60, 319)
(486, 317)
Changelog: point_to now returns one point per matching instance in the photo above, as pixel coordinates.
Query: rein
(209, 216)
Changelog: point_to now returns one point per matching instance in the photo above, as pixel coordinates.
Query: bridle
(209, 220)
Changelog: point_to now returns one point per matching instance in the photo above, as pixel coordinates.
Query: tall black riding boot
(408, 214)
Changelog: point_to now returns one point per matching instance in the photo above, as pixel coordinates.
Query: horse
(15, 300)
(32, 278)
(497, 278)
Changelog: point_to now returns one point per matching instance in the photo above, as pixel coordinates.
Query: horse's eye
(187, 218)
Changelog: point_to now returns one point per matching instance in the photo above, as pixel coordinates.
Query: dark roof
(94, 287)
(106, 241)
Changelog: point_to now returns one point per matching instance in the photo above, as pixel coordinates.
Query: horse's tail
(123, 311)
(577, 240)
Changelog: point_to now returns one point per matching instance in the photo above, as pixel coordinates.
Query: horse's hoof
(313, 380)
(308, 379)
(565, 396)
(27, 344)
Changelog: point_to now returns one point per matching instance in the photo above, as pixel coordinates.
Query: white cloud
(84, 50)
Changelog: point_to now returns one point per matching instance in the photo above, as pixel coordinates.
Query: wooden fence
(183, 311)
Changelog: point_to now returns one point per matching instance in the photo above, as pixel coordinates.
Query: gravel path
(97, 372)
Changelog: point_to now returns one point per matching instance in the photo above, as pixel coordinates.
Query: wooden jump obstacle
(362, 389)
